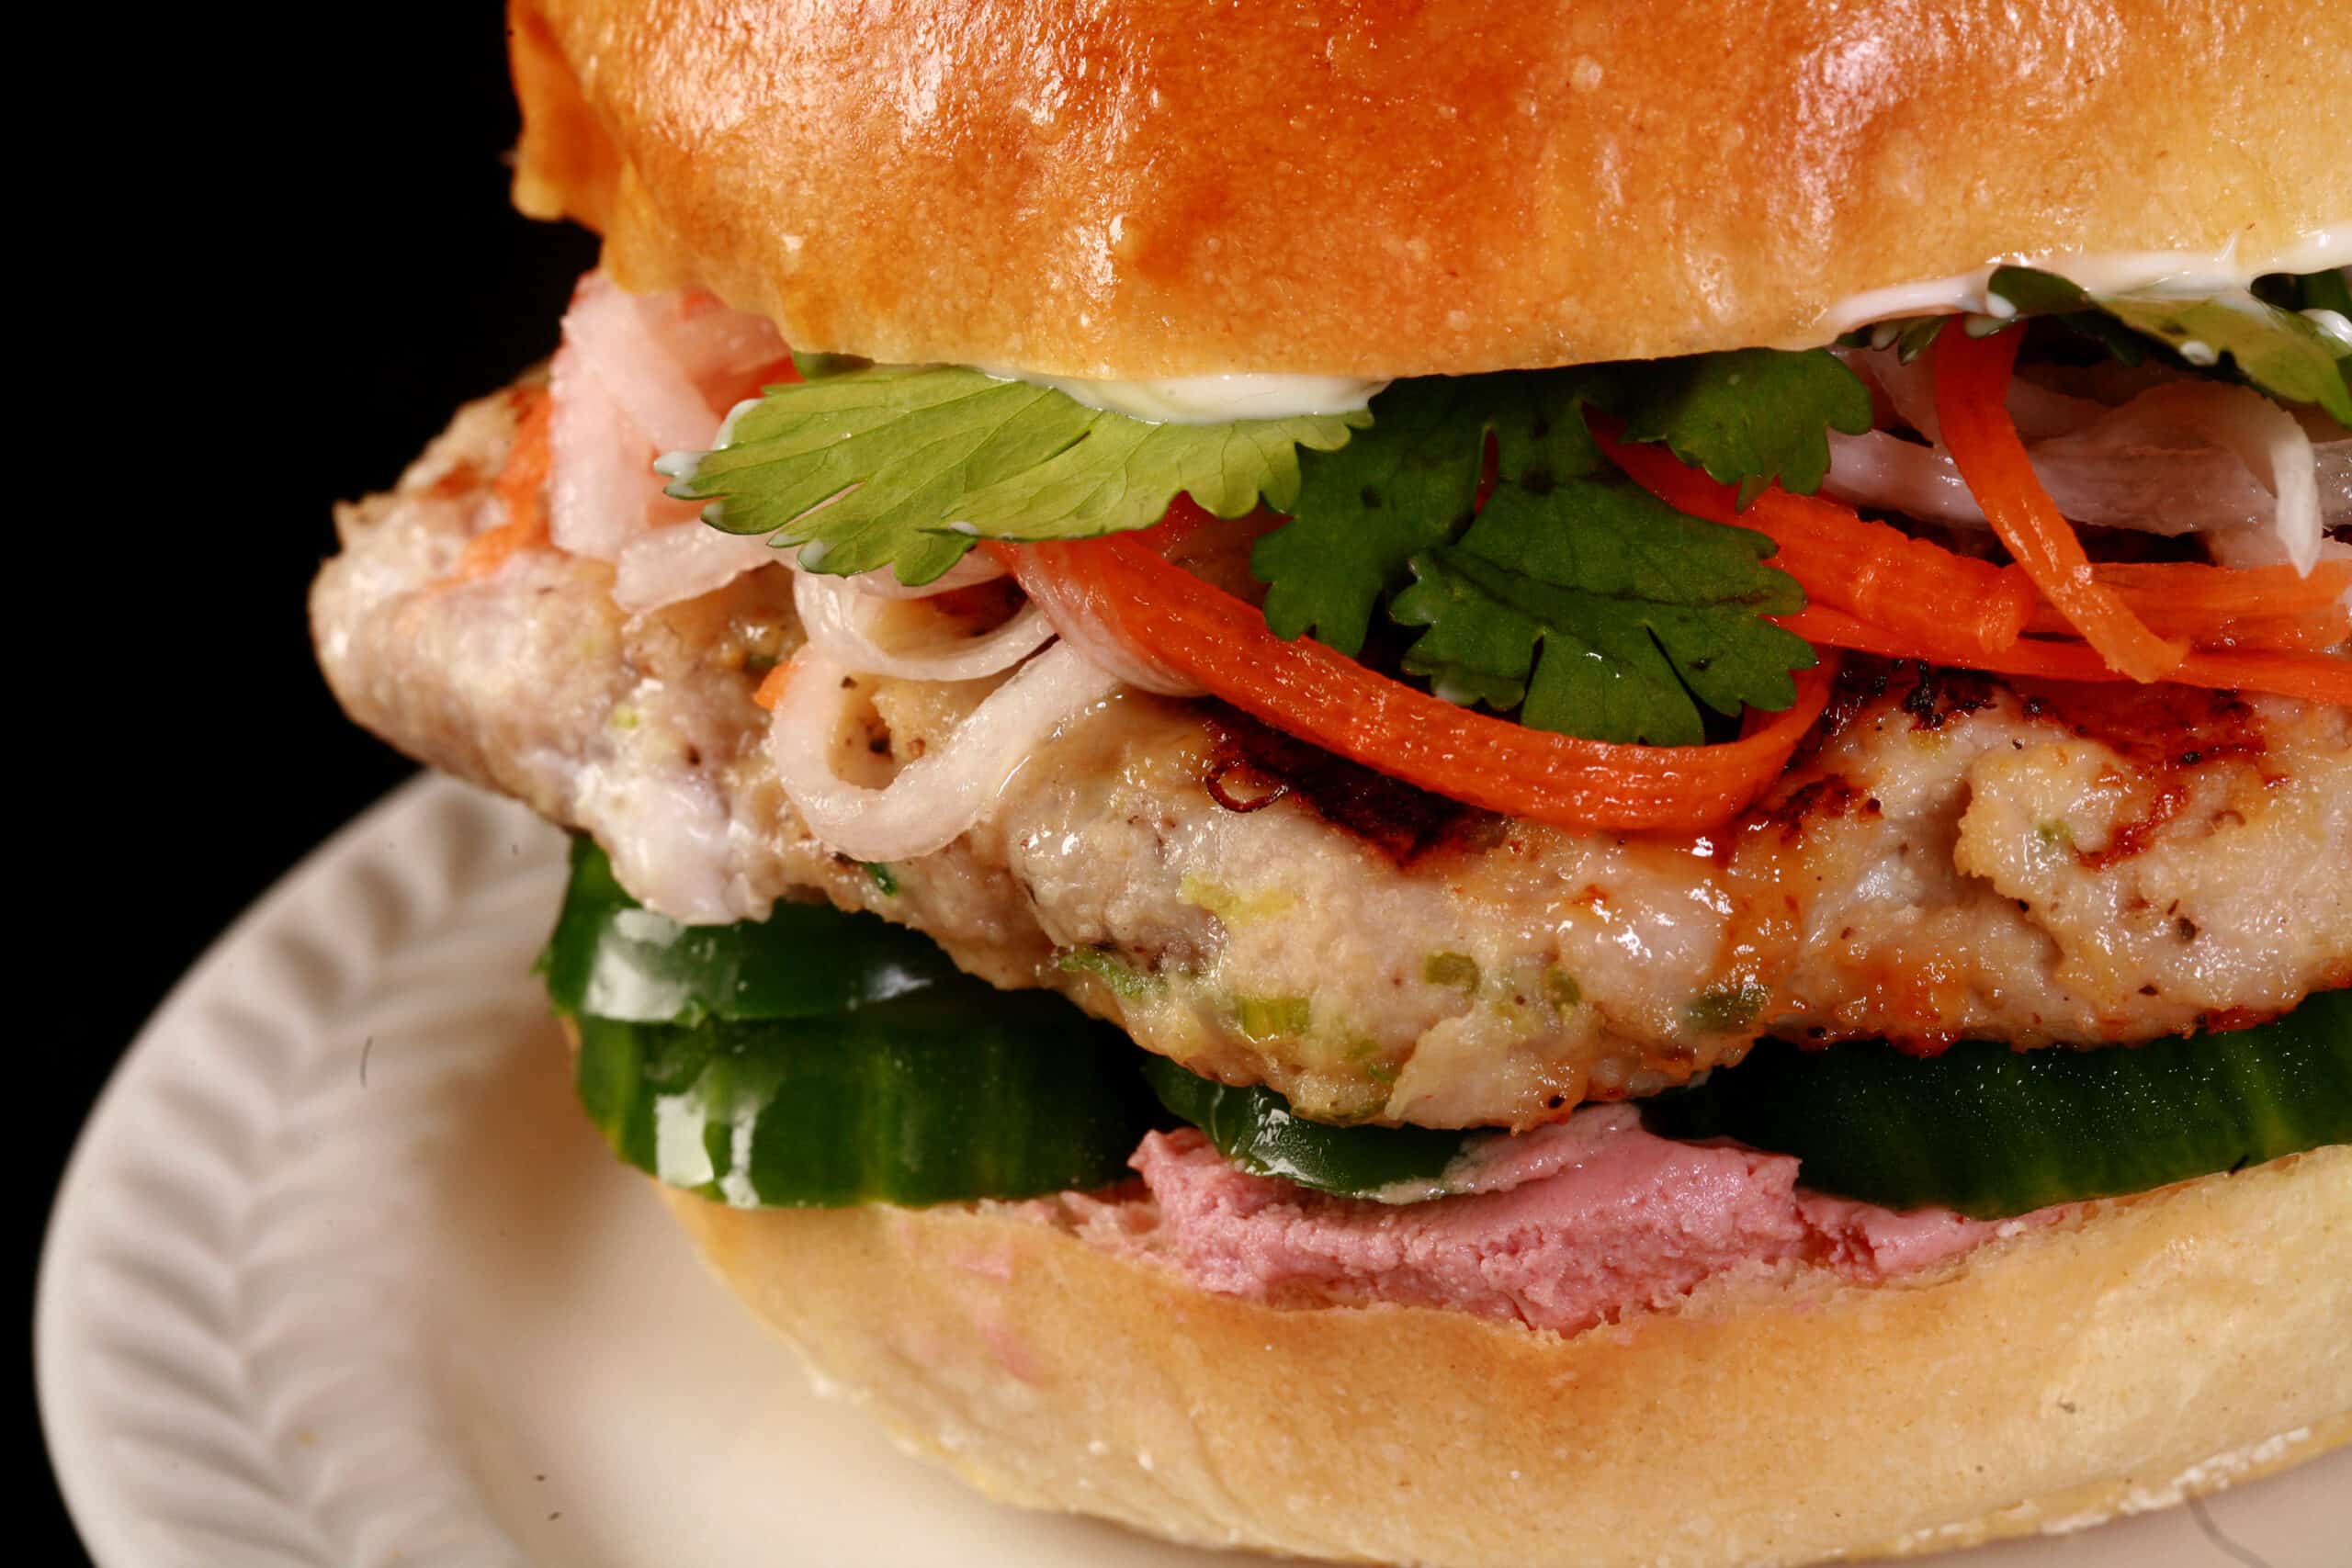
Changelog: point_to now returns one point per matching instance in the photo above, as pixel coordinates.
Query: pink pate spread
(1572, 1226)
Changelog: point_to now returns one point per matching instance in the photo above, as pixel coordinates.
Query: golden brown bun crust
(1403, 187)
(2146, 1350)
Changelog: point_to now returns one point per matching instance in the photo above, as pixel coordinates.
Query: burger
(1444, 782)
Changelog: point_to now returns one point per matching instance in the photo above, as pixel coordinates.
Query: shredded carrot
(521, 488)
(2269, 606)
(1971, 385)
(1307, 690)
(770, 690)
(2316, 677)
(2312, 631)
(2225, 593)
(2261, 607)
(778, 372)
(1843, 559)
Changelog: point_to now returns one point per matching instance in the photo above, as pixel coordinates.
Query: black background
(301, 263)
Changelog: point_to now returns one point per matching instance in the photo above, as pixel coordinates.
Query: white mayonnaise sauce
(1212, 400)
(2103, 272)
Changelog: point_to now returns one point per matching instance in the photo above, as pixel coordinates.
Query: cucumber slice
(609, 957)
(1254, 1128)
(820, 1059)
(1994, 1132)
(908, 1103)
(1985, 1130)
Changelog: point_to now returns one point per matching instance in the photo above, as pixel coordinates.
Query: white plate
(340, 1278)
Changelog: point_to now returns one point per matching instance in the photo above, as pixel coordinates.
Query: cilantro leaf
(873, 466)
(1574, 596)
(1909, 336)
(1362, 512)
(1603, 611)
(1408, 482)
(2029, 292)
(1750, 416)
(2278, 351)
(813, 366)
(1123, 473)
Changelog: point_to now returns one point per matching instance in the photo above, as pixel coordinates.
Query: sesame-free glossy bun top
(1380, 187)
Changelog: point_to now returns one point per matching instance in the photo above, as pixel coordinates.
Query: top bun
(1388, 187)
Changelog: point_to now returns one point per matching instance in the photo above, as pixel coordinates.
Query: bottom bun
(2125, 1357)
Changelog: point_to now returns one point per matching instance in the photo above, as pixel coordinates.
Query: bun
(1390, 188)
(2137, 1352)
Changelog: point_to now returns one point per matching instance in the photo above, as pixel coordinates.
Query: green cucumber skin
(610, 957)
(872, 1070)
(1982, 1129)
(888, 1105)
(1996, 1132)
(910, 1082)
(1254, 1128)
(845, 1059)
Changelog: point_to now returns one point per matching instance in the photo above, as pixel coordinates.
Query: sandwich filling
(821, 1058)
(1426, 767)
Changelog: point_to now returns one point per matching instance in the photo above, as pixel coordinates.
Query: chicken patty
(1951, 856)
